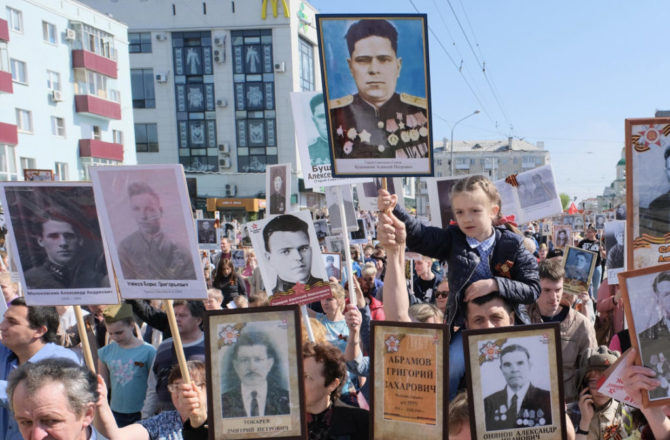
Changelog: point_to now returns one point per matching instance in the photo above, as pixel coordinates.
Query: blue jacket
(514, 268)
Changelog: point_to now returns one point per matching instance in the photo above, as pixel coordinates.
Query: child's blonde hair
(471, 183)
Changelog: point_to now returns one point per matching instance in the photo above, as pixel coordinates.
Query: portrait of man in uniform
(277, 189)
(206, 232)
(319, 153)
(578, 264)
(382, 116)
(149, 253)
(655, 218)
(258, 390)
(654, 342)
(519, 403)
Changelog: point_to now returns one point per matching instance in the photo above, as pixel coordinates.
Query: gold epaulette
(414, 100)
(340, 102)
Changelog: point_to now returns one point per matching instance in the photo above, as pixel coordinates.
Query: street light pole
(451, 161)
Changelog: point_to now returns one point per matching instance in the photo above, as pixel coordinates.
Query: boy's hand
(480, 288)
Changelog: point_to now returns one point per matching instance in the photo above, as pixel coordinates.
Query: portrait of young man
(277, 185)
(378, 99)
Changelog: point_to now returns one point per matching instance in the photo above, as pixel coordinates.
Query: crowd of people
(478, 273)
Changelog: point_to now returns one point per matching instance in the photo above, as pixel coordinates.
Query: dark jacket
(276, 402)
(230, 291)
(535, 408)
(421, 296)
(514, 268)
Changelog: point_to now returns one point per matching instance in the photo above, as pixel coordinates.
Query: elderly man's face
(290, 255)
(375, 68)
(515, 366)
(252, 364)
(147, 212)
(59, 241)
(663, 296)
(319, 118)
(46, 414)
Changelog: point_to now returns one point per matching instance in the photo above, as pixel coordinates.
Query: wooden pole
(347, 251)
(176, 340)
(83, 336)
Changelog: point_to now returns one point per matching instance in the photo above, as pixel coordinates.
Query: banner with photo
(57, 244)
(367, 192)
(615, 245)
(146, 219)
(334, 208)
(378, 124)
(647, 192)
(209, 236)
(530, 195)
(289, 258)
(439, 191)
(278, 188)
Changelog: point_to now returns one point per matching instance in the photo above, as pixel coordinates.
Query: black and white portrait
(578, 264)
(562, 236)
(321, 228)
(58, 240)
(367, 192)
(278, 188)
(238, 259)
(600, 221)
(359, 236)
(615, 241)
(535, 188)
(333, 262)
(334, 208)
(206, 232)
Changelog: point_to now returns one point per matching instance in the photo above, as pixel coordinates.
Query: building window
(306, 65)
(15, 19)
(117, 136)
(528, 162)
(139, 42)
(142, 82)
(87, 162)
(53, 80)
(462, 163)
(490, 163)
(62, 170)
(98, 42)
(90, 83)
(8, 163)
(28, 163)
(58, 126)
(49, 32)
(24, 120)
(19, 71)
(4, 57)
(97, 133)
(146, 138)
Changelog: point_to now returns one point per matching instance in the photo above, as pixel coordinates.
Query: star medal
(348, 147)
(401, 125)
(393, 139)
(414, 134)
(365, 136)
(404, 135)
(352, 133)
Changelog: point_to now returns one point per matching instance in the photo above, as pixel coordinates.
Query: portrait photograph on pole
(646, 295)
(147, 223)
(254, 372)
(377, 93)
(515, 384)
(530, 195)
(409, 367)
(562, 236)
(647, 191)
(615, 245)
(208, 234)
(579, 265)
(289, 258)
(57, 244)
(278, 188)
(367, 192)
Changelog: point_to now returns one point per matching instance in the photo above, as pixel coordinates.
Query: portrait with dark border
(579, 265)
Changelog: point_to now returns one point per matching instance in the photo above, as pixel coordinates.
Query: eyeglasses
(175, 387)
(442, 294)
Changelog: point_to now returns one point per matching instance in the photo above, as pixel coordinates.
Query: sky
(566, 73)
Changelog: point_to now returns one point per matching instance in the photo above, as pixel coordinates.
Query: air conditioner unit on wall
(219, 41)
(224, 163)
(222, 103)
(161, 37)
(70, 34)
(224, 148)
(280, 67)
(161, 77)
(56, 95)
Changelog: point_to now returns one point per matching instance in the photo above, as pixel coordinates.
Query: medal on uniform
(381, 148)
(340, 131)
(348, 147)
(420, 118)
(380, 124)
(364, 136)
(393, 139)
(414, 134)
(391, 125)
(411, 121)
(423, 131)
(398, 116)
(352, 133)
(404, 135)
(401, 125)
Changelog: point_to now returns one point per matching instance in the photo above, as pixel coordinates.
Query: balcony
(8, 134)
(84, 59)
(97, 107)
(4, 30)
(101, 150)
(6, 82)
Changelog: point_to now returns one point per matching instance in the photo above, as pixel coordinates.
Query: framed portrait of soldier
(147, 223)
(335, 244)
(332, 201)
(254, 374)
(647, 192)
(359, 236)
(615, 245)
(333, 263)
(238, 258)
(278, 188)
(646, 295)
(538, 197)
(367, 192)
(578, 265)
(33, 175)
(321, 228)
(408, 370)
(208, 233)
(515, 384)
(600, 221)
(311, 134)
(562, 236)
(377, 93)
(439, 190)
(289, 258)
(56, 243)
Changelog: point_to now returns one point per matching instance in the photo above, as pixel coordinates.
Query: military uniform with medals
(655, 348)
(398, 129)
(535, 410)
